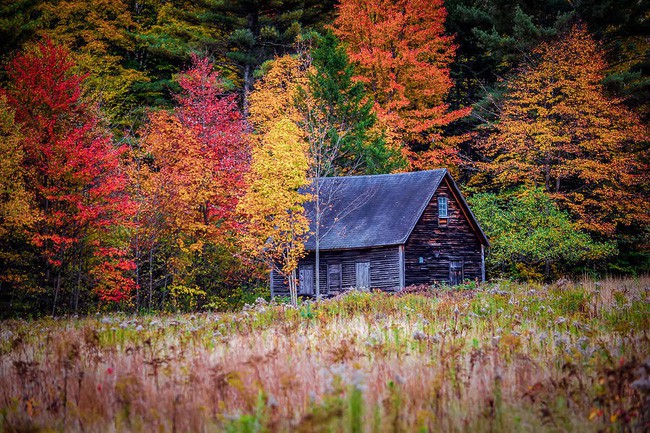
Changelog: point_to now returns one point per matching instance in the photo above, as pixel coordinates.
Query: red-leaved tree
(74, 173)
(217, 123)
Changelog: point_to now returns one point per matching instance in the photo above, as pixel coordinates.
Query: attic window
(442, 207)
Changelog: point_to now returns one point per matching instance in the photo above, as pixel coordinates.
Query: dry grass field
(501, 357)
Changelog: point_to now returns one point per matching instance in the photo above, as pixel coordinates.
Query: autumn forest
(151, 151)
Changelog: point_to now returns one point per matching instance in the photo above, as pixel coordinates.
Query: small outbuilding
(390, 231)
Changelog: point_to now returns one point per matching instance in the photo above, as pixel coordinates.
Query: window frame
(443, 203)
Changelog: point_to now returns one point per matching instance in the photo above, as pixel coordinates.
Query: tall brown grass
(500, 357)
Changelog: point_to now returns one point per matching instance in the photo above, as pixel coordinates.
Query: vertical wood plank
(401, 266)
(363, 275)
(384, 268)
(306, 280)
(482, 263)
(271, 283)
(439, 244)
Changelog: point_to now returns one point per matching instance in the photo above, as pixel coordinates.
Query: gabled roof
(377, 210)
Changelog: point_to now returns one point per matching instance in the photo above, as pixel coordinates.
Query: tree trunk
(162, 300)
(317, 239)
(317, 270)
(57, 286)
(248, 85)
(150, 275)
(137, 266)
(547, 269)
(77, 289)
(293, 289)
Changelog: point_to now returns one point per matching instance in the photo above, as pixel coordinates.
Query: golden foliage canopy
(274, 93)
(276, 226)
(559, 129)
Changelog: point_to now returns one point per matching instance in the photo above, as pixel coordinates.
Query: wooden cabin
(390, 231)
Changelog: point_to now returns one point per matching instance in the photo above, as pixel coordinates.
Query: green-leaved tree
(336, 115)
(531, 238)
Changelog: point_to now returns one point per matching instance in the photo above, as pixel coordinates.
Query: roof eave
(360, 247)
(424, 206)
(474, 222)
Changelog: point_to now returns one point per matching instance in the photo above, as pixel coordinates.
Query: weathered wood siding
(454, 241)
(384, 269)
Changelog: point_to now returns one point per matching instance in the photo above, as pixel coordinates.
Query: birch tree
(337, 117)
(272, 209)
(316, 91)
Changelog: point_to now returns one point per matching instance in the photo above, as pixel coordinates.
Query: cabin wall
(440, 244)
(384, 269)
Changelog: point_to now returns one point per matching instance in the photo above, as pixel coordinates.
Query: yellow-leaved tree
(18, 214)
(16, 208)
(275, 225)
(274, 94)
(318, 93)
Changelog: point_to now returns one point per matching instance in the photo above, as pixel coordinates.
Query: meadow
(494, 358)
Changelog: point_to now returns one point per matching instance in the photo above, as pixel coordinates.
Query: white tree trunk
(293, 288)
(317, 239)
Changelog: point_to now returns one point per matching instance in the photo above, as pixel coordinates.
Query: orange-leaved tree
(163, 173)
(189, 174)
(275, 223)
(558, 129)
(216, 121)
(403, 56)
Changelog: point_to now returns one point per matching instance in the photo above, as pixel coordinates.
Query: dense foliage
(275, 225)
(131, 130)
(403, 56)
(558, 129)
(188, 174)
(531, 237)
(77, 192)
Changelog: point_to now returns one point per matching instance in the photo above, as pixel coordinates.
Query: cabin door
(306, 280)
(363, 275)
(455, 273)
(333, 277)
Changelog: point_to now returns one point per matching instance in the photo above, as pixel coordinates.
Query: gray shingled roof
(370, 211)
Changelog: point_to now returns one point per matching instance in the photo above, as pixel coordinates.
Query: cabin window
(334, 277)
(363, 275)
(455, 273)
(442, 207)
(306, 280)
